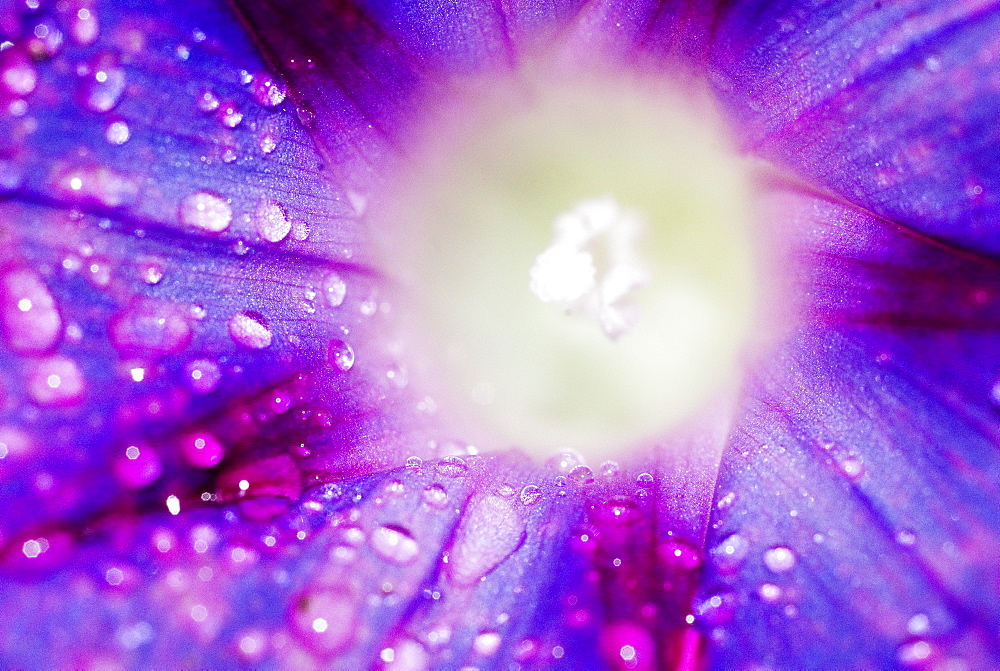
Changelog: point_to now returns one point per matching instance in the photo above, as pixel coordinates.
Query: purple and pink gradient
(192, 476)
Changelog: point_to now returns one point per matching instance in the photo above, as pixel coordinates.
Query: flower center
(574, 261)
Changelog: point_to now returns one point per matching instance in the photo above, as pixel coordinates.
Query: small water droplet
(531, 494)
(206, 211)
(334, 288)
(414, 462)
(487, 643)
(271, 221)
(679, 554)
(152, 327)
(17, 74)
(117, 133)
(151, 271)
(28, 312)
(779, 559)
(435, 496)
(609, 469)
(325, 619)
(916, 653)
(203, 375)
(906, 537)
(395, 544)
(565, 461)
(644, 480)
(267, 142)
(853, 467)
(55, 380)
(452, 466)
(341, 354)
(138, 467)
(250, 329)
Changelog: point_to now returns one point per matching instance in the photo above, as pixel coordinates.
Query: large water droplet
(582, 475)
(203, 375)
(202, 449)
(138, 467)
(250, 329)
(452, 467)
(17, 74)
(395, 544)
(206, 211)
(152, 326)
(491, 530)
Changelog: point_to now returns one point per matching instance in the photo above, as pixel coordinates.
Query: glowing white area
(574, 260)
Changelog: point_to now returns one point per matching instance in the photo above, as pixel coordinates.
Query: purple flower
(215, 452)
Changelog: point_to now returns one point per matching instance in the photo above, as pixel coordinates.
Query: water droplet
(117, 133)
(644, 480)
(452, 467)
(487, 643)
(151, 271)
(491, 530)
(267, 91)
(46, 40)
(341, 354)
(102, 88)
(769, 593)
(30, 319)
(203, 375)
(334, 289)
(853, 467)
(17, 74)
(207, 211)
(581, 475)
(395, 544)
(729, 554)
(202, 449)
(531, 494)
(906, 537)
(207, 101)
(83, 27)
(609, 469)
(152, 327)
(250, 329)
(55, 380)
(414, 462)
(436, 496)
(267, 142)
(229, 114)
(679, 555)
(916, 653)
(565, 461)
(716, 607)
(324, 620)
(271, 221)
(779, 559)
(138, 467)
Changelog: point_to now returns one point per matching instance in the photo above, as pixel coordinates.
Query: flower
(207, 461)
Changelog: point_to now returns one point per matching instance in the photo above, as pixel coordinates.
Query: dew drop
(414, 462)
(229, 114)
(679, 555)
(729, 554)
(451, 467)
(17, 74)
(436, 496)
(202, 449)
(267, 142)
(487, 643)
(335, 609)
(151, 271)
(341, 354)
(334, 288)
(151, 326)
(55, 380)
(203, 375)
(117, 133)
(31, 321)
(207, 101)
(716, 607)
(267, 90)
(581, 475)
(271, 221)
(138, 467)
(779, 559)
(530, 495)
(491, 530)
(644, 480)
(101, 90)
(250, 329)
(609, 469)
(565, 461)
(206, 211)
(394, 544)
